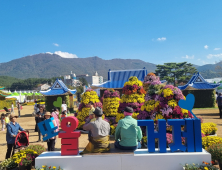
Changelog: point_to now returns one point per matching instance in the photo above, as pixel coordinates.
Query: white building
(96, 79)
(70, 80)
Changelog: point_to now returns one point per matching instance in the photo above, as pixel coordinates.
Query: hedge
(203, 98)
(7, 103)
(50, 99)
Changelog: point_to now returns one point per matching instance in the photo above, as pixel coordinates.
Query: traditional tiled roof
(58, 88)
(197, 82)
(117, 78)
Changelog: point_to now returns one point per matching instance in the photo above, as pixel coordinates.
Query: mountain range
(46, 65)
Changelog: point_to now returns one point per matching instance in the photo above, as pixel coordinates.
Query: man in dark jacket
(219, 103)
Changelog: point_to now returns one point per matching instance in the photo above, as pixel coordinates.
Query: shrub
(38, 148)
(216, 151)
(203, 98)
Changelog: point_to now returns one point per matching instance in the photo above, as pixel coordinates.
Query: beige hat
(13, 115)
(47, 114)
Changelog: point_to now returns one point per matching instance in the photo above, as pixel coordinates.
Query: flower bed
(83, 110)
(203, 166)
(208, 128)
(44, 167)
(210, 140)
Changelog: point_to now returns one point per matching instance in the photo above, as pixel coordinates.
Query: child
(63, 114)
(7, 118)
(3, 121)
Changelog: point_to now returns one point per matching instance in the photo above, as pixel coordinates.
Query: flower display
(208, 128)
(150, 79)
(210, 140)
(133, 96)
(111, 101)
(161, 102)
(83, 110)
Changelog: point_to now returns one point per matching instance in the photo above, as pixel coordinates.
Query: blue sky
(156, 31)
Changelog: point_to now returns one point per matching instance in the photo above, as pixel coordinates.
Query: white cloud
(198, 59)
(209, 56)
(161, 39)
(55, 44)
(65, 54)
(189, 57)
(216, 48)
(206, 46)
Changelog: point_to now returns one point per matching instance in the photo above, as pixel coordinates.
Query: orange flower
(151, 74)
(212, 162)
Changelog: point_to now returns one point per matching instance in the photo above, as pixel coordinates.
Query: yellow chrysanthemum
(167, 92)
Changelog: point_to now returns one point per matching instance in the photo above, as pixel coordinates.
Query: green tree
(83, 80)
(175, 72)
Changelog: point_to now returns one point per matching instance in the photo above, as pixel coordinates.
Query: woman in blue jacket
(12, 130)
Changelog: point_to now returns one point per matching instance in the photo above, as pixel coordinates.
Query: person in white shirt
(64, 106)
(12, 108)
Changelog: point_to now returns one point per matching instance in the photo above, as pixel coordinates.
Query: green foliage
(203, 98)
(7, 81)
(83, 80)
(67, 101)
(7, 103)
(38, 148)
(216, 152)
(172, 72)
(31, 83)
(49, 100)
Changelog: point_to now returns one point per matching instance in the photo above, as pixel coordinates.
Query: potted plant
(8, 164)
(39, 149)
(26, 163)
(216, 153)
(12, 165)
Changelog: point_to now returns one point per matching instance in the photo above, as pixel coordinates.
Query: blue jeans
(117, 145)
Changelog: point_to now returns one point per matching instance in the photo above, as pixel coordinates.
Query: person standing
(13, 129)
(3, 121)
(12, 108)
(64, 106)
(19, 108)
(51, 141)
(55, 115)
(99, 140)
(128, 135)
(219, 103)
(39, 118)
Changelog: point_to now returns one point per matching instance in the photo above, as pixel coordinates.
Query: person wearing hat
(128, 135)
(39, 118)
(12, 130)
(51, 141)
(99, 140)
(55, 114)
